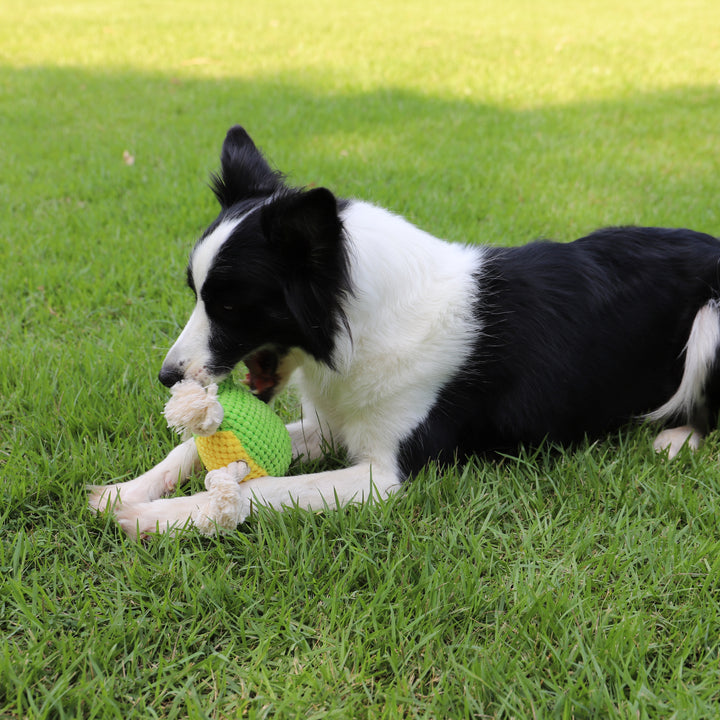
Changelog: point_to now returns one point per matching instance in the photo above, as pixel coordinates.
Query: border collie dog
(408, 349)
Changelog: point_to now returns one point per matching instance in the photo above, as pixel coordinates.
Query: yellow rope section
(222, 448)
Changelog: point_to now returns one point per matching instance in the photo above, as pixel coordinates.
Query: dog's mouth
(263, 376)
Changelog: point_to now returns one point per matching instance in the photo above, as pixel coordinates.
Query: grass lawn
(573, 585)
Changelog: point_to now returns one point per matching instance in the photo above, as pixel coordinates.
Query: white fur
(161, 480)
(207, 249)
(673, 440)
(227, 501)
(191, 351)
(700, 354)
(408, 337)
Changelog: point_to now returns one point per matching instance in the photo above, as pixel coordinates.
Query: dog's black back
(576, 339)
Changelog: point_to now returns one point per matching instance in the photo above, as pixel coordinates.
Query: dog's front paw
(109, 497)
(131, 518)
(142, 489)
(168, 515)
(221, 508)
(139, 520)
(102, 497)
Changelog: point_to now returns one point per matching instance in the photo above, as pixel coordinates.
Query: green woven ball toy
(229, 424)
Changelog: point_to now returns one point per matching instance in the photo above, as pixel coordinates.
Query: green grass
(578, 584)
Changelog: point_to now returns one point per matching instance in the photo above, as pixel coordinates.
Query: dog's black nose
(170, 375)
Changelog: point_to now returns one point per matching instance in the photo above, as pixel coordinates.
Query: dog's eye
(228, 308)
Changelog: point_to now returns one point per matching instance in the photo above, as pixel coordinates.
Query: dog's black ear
(244, 171)
(304, 228)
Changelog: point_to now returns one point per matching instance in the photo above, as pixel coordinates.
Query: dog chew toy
(229, 424)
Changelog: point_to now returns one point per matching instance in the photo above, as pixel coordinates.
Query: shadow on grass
(462, 169)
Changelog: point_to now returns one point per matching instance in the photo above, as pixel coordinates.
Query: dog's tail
(701, 352)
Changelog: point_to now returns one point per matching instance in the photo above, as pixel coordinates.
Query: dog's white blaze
(191, 352)
(700, 355)
(207, 249)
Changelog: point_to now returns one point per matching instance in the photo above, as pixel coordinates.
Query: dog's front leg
(177, 467)
(222, 507)
(360, 483)
(227, 502)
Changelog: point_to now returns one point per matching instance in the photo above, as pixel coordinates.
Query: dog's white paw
(108, 497)
(102, 497)
(673, 440)
(131, 518)
(221, 508)
(169, 515)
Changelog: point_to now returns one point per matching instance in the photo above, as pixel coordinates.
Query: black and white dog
(408, 349)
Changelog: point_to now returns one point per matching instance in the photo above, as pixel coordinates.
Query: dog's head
(269, 276)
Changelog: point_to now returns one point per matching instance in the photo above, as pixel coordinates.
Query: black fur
(281, 279)
(577, 339)
(411, 349)
(244, 171)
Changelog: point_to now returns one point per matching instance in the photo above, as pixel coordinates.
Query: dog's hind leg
(161, 480)
(673, 440)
